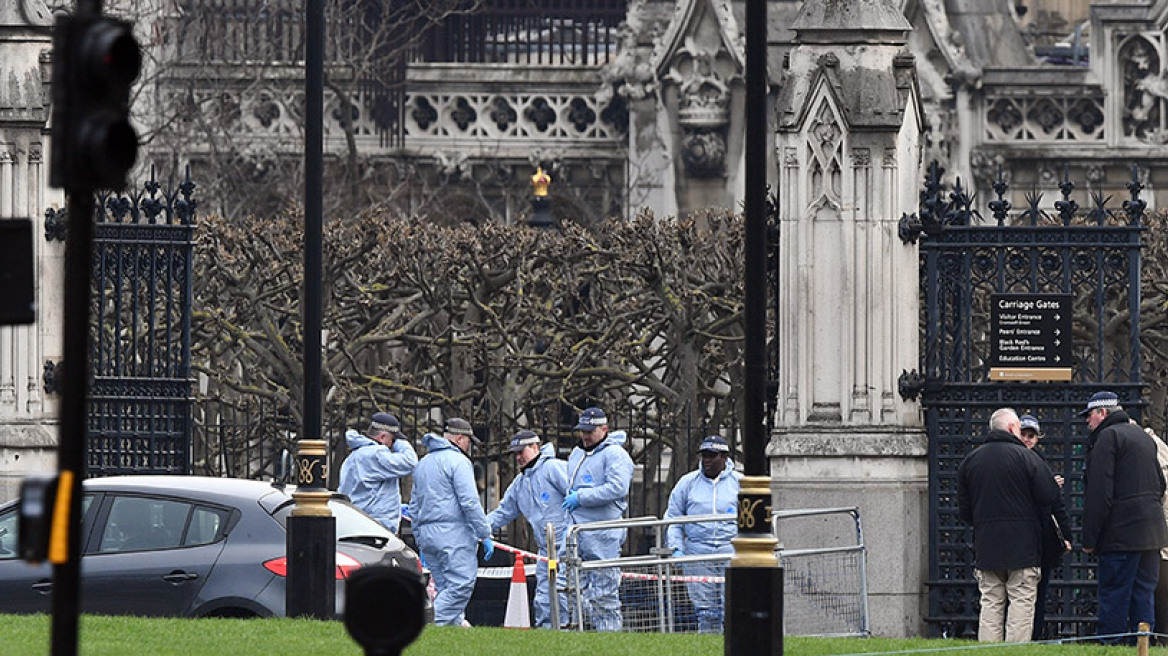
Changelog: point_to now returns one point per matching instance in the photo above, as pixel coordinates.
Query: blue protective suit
(696, 494)
(538, 494)
(601, 478)
(370, 476)
(448, 523)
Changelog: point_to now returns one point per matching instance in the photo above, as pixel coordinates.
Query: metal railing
(825, 588)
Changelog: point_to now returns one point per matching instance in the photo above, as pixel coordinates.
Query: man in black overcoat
(1004, 490)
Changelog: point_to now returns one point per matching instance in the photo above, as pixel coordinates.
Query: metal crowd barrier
(825, 589)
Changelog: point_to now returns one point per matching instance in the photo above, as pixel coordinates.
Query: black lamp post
(754, 599)
(311, 588)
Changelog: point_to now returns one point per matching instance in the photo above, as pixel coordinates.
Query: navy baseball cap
(715, 444)
(523, 439)
(1100, 400)
(591, 418)
(1029, 421)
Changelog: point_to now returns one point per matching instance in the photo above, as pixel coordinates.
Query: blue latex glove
(572, 501)
(678, 553)
(422, 559)
(488, 548)
(405, 510)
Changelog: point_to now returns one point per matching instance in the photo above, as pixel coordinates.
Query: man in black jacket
(1123, 522)
(1004, 490)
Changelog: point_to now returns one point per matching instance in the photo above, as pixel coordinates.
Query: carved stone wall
(848, 147)
(1142, 80)
(698, 63)
(27, 413)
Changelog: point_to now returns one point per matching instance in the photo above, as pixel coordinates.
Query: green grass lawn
(123, 636)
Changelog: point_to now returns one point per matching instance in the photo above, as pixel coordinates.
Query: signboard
(1030, 337)
(18, 302)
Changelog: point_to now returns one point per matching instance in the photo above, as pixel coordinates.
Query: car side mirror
(282, 467)
(385, 608)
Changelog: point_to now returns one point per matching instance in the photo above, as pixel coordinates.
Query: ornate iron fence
(549, 32)
(140, 353)
(1092, 255)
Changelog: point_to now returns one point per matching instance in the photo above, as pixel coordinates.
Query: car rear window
(351, 522)
(206, 524)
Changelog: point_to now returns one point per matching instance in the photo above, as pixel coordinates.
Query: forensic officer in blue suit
(377, 461)
(448, 519)
(599, 474)
(537, 493)
(710, 490)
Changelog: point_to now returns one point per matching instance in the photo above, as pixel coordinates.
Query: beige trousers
(1007, 598)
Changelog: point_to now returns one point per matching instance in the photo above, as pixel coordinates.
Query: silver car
(189, 546)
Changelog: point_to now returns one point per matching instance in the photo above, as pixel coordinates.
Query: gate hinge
(56, 224)
(909, 228)
(910, 384)
(52, 377)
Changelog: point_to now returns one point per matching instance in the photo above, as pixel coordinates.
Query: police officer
(600, 472)
(710, 490)
(537, 493)
(448, 520)
(377, 462)
(1123, 522)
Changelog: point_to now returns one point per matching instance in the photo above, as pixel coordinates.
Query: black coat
(1004, 490)
(1056, 529)
(1124, 484)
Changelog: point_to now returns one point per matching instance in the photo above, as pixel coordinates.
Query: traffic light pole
(95, 63)
(754, 579)
(65, 543)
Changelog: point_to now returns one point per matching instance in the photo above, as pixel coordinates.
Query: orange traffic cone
(518, 614)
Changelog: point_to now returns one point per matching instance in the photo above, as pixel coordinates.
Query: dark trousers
(1039, 632)
(1127, 585)
(1162, 603)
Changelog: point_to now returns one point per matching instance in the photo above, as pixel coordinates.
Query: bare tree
(494, 322)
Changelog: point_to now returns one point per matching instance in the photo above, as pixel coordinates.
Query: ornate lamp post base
(754, 580)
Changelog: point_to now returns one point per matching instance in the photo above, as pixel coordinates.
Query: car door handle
(180, 577)
(43, 586)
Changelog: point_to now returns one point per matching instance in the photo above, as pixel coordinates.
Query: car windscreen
(352, 525)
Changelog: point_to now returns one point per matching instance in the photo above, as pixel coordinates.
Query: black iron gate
(140, 352)
(1092, 255)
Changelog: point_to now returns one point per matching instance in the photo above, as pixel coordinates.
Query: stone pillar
(848, 154)
(27, 418)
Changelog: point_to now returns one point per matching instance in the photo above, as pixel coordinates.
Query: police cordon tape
(505, 572)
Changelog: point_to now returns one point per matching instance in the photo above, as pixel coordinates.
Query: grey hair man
(1003, 491)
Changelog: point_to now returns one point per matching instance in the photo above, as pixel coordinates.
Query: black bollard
(385, 609)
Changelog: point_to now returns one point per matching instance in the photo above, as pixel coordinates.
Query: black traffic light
(95, 62)
(38, 498)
